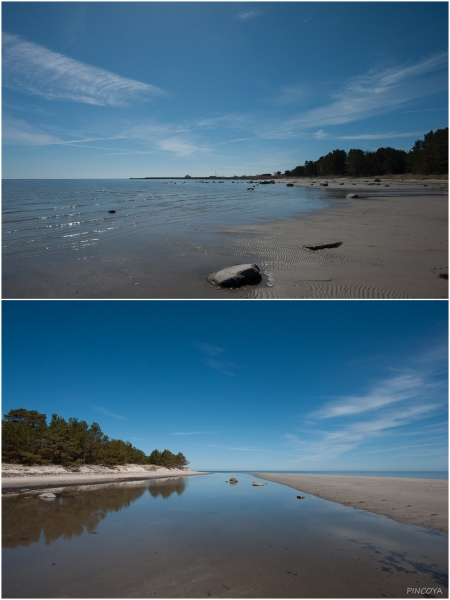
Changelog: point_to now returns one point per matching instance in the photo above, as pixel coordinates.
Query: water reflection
(166, 488)
(27, 519)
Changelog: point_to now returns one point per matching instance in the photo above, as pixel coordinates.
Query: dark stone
(111, 212)
(266, 182)
(290, 184)
(301, 497)
(323, 246)
(237, 276)
(352, 196)
(324, 183)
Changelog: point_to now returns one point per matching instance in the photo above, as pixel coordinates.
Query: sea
(409, 474)
(202, 536)
(128, 238)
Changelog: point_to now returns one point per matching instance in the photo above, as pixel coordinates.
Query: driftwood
(323, 246)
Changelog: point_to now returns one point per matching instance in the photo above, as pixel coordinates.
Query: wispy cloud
(393, 390)
(33, 69)
(212, 351)
(194, 433)
(17, 131)
(106, 412)
(379, 136)
(391, 406)
(220, 365)
(372, 94)
(209, 349)
(246, 15)
(379, 91)
(180, 146)
(290, 95)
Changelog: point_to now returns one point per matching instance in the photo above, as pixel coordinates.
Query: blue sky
(242, 385)
(121, 89)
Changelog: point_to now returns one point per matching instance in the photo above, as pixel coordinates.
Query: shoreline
(420, 502)
(394, 246)
(53, 477)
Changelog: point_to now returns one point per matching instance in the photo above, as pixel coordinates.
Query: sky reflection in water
(198, 536)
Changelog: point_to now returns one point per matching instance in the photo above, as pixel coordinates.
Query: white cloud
(246, 15)
(390, 391)
(106, 412)
(378, 92)
(33, 69)
(385, 410)
(178, 145)
(194, 433)
(290, 95)
(210, 350)
(16, 131)
(362, 97)
(225, 367)
(379, 136)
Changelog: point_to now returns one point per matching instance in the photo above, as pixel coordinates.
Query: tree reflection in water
(75, 510)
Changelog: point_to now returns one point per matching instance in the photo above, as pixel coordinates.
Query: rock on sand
(47, 496)
(237, 276)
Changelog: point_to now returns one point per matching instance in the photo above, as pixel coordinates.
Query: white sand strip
(16, 478)
(422, 502)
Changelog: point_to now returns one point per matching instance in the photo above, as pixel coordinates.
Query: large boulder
(237, 276)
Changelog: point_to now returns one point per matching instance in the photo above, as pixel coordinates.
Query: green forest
(427, 157)
(28, 439)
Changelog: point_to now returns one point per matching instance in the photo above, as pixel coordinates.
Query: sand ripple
(336, 292)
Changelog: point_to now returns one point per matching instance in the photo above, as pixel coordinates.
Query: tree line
(28, 439)
(427, 157)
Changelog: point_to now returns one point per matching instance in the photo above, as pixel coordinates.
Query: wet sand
(17, 478)
(422, 502)
(394, 245)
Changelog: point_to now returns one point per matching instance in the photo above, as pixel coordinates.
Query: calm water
(411, 474)
(41, 217)
(200, 536)
(60, 240)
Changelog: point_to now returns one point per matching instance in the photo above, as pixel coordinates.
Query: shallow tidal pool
(200, 536)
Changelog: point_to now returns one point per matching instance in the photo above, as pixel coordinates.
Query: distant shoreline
(421, 502)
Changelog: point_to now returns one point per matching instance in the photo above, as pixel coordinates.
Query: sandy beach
(17, 479)
(394, 244)
(422, 502)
